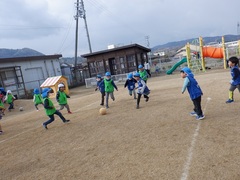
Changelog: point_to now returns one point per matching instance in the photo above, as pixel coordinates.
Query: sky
(48, 26)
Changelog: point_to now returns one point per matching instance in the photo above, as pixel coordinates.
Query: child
(62, 98)
(130, 83)
(100, 86)
(235, 73)
(109, 87)
(50, 109)
(2, 109)
(37, 98)
(143, 73)
(2, 94)
(9, 99)
(142, 89)
(194, 91)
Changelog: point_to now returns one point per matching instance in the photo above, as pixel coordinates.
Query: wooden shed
(53, 82)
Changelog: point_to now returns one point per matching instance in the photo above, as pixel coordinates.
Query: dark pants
(36, 105)
(149, 73)
(52, 118)
(102, 98)
(197, 106)
(139, 98)
(11, 106)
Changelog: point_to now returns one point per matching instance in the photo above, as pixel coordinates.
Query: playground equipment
(207, 51)
(170, 71)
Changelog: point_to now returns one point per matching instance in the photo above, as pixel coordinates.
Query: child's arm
(126, 83)
(114, 85)
(46, 104)
(57, 96)
(185, 84)
(143, 87)
(236, 73)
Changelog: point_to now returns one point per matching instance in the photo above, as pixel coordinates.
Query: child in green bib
(50, 109)
(109, 87)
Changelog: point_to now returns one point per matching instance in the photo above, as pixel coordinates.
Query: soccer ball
(21, 109)
(103, 111)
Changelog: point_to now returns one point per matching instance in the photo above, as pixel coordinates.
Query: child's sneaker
(147, 99)
(66, 121)
(193, 113)
(200, 117)
(45, 126)
(229, 101)
(69, 112)
(1, 132)
(137, 107)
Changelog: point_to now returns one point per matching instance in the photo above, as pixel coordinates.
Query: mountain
(11, 53)
(179, 44)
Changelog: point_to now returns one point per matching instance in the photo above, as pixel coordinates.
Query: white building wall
(34, 72)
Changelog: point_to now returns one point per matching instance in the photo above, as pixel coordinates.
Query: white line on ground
(193, 142)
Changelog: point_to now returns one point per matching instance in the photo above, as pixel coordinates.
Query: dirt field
(159, 141)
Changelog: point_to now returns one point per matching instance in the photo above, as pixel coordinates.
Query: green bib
(108, 86)
(50, 111)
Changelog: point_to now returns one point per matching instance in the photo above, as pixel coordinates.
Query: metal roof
(116, 49)
(31, 58)
(51, 81)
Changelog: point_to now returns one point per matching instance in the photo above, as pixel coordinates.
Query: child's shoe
(137, 107)
(66, 121)
(45, 126)
(147, 99)
(200, 117)
(229, 101)
(69, 112)
(107, 107)
(101, 104)
(1, 132)
(193, 113)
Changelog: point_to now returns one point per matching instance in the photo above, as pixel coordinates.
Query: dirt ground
(159, 141)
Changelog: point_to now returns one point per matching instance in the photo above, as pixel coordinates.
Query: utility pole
(148, 45)
(76, 40)
(83, 15)
(80, 12)
(238, 28)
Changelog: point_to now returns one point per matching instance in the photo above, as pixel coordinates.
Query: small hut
(53, 82)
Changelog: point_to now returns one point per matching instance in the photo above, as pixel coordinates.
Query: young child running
(235, 73)
(109, 87)
(142, 89)
(130, 83)
(194, 91)
(9, 99)
(50, 109)
(37, 98)
(101, 88)
(143, 73)
(62, 98)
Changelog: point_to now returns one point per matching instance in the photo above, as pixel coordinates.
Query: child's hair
(234, 60)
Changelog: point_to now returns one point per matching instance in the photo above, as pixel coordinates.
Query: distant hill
(178, 44)
(11, 53)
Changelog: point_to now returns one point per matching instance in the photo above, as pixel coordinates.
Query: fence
(118, 79)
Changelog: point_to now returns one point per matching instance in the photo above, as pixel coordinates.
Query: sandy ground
(158, 141)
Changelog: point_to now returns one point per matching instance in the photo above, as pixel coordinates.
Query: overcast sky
(48, 26)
